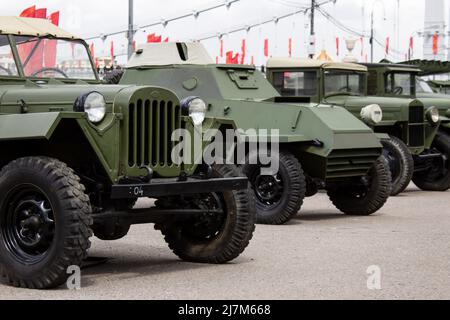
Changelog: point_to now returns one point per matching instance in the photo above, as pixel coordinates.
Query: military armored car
(320, 146)
(432, 168)
(77, 155)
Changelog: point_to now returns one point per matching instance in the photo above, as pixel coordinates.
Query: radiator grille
(351, 163)
(150, 127)
(416, 129)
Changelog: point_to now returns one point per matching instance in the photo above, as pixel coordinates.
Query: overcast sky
(89, 18)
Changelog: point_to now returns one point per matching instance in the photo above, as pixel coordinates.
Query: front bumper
(171, 187)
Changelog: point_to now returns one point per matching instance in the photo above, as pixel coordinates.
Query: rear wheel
(44, 222)
(401, 164)
(365, 196)
(279, 197)
(221, 233)
(437, 177)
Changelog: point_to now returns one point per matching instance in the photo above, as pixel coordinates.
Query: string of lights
(164, 22)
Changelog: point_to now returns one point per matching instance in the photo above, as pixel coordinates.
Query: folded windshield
(54, 58)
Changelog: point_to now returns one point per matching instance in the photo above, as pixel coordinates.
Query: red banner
(28, 12)
(221, 48)
(337, 46)
(36, 62)
(51, 45)
(91, 48)
(243, 50)
(266, 47)
(229, 57)
(112, 51)
(435, 44)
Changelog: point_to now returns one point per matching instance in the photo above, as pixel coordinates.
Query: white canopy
(166, 53)
(32, 27)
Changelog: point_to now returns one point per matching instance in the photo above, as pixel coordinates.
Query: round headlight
(195, 108)
(433, 115)
(372, 114)
(94, 104)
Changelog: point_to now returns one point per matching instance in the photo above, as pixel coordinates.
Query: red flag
(91, 48)
(337, 46)
(25, 49)
(411, 43)
(97, 64)
(244, 49)
(28, 12)
(252, 60)
(435, 44)
(290, 47)
(166, 39)
(229, 58)
(266, 47)
(112, 51)
(37, 60)
(153, 38)
(387, 45)
(217, 60)
(51, 45)
(221, 48)
(235, 59)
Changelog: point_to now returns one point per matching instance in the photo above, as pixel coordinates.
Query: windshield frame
(20, 67)
(363, 91)
(273, 72)
(390, 73)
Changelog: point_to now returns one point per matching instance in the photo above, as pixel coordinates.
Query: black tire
(359, 200)
(113, 77)
(42, 189)
(228, 240)
(111, 231)
(401, 164)
(278, 207)
(438, 177)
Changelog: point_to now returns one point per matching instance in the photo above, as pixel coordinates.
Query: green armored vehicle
(432, 168)
(320, 146)
(410, 127)
(76, 155)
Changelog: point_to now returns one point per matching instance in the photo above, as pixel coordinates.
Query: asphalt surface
(321, 254)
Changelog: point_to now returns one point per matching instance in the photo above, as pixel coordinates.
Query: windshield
(423, 86)
(400, 84)
(7, 63)
(337, 82)
(296, 84)
(54, 58)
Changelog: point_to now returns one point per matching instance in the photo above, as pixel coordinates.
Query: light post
(372, 26)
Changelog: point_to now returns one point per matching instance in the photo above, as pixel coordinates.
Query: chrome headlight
(195, 108)
(433, 115)
(94, 104)
(372, 114)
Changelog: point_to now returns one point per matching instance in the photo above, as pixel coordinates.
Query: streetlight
(372, 27)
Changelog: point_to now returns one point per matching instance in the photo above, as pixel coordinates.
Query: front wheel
(279, 197)
(401, 164)
(365, 196)
(45, 219)
(222, 232)
(437, 178)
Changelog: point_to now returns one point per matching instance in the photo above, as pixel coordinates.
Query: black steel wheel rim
(268, 189)
(439, 168)
(28, 224)
(208, 225)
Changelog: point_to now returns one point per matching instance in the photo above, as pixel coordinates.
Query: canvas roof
(310, 63)
(166, 53)
(32, 27)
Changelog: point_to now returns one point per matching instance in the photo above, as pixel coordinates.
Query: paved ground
(320, 255)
